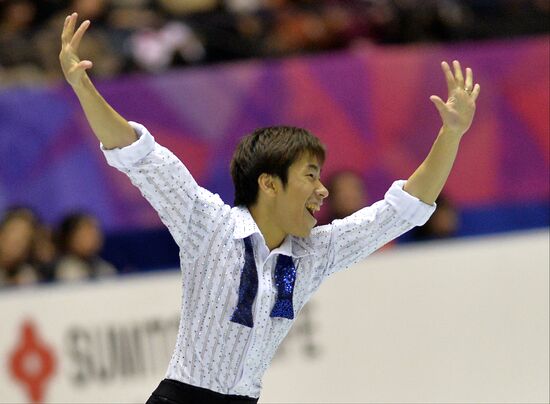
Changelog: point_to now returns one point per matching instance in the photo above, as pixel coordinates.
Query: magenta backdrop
(369, 106)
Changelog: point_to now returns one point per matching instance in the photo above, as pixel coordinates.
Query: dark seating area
(156, 35)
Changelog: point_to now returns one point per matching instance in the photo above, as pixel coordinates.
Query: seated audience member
(347, 195)
(80, 240)
(157, 50)
(444, 222)
(181, 8)
(44, 252)
(100, 45)
(17, 228)
(18, 59)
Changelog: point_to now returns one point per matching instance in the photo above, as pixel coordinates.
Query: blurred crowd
(154, 35)
(348, 194)
(31, 252)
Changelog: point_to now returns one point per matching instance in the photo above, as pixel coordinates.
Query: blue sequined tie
(285, 276)
(247, 288)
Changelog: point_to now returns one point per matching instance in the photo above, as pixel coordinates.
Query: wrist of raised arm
(83, 86)
(450, 134)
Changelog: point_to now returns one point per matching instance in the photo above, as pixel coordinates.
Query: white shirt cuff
(407, 206)
(129, 155)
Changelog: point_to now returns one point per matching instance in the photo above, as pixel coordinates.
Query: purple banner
(370, 106)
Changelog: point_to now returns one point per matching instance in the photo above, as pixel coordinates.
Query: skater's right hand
(73, 68)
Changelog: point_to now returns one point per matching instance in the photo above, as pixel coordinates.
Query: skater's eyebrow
(314, 167)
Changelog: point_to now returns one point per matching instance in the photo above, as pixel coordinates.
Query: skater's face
(296, 204)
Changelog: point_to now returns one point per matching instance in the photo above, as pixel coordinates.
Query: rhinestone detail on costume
(248, 287)
(285, 276)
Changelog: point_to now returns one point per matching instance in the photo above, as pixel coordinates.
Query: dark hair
(67, 228)
(271, 151)
(19, 212)
(337, 175)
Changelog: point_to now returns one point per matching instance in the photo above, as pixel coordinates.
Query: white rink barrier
(443, 322)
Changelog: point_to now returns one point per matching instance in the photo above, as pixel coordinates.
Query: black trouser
(174, 392)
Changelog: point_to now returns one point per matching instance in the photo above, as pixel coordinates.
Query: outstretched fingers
(469, 87)
(68, 29)
(64, 34)
(438, 102)
(449, 77)
(75, 42)
(469, 84)
(476, 91)
(456, 80)
(458, 74)
(71, 24)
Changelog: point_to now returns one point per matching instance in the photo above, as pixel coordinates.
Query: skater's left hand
(457, 113)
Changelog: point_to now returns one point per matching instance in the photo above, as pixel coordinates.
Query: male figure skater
(248, 270)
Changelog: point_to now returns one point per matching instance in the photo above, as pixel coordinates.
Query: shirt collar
(244, 223)
(246, 226)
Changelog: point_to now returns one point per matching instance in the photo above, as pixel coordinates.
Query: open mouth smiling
(312, 208)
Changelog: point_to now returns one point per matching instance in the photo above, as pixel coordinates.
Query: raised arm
(112, 130)
(457, 113)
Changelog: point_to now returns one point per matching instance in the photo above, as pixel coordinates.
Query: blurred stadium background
(89, 286)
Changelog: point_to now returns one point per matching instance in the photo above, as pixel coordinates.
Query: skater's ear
(269, 185)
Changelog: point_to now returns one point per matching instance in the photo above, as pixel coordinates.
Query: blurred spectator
(180, 8)
(244, 6)
(96, 44)
(347, 194)
(155, 51)
(93, 10)
(80, 240)
(133, 15)
(510, 17)
(44, 252)
(295, 30)
(18, 61)
(444, 223)
(154, 35)
(17, 229)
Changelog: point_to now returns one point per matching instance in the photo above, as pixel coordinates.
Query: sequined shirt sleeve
(183, 206)
(347, 241)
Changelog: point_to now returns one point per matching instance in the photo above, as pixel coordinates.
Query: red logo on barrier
(32, 363)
